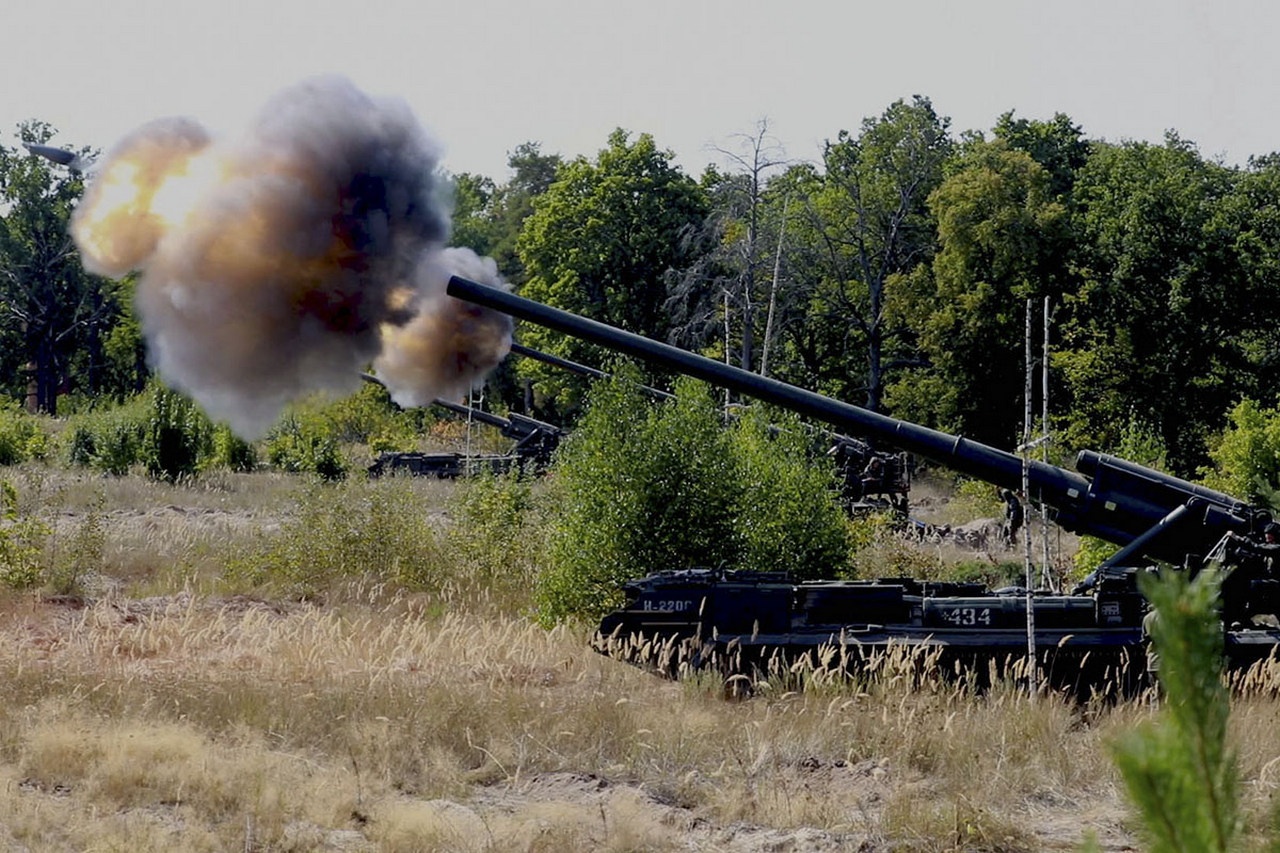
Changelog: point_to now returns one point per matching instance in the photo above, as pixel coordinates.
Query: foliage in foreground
(33, 556)
(644, 487)
(21, 436)
(1177, 769)
(346, 532)
(161, 430)
(22, 538)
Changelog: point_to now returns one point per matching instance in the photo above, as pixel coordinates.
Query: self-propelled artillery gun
(535, 443)
(744, 617)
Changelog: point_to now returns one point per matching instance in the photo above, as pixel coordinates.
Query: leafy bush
(879, 550)
(178, 435)
(976, 499)
(348, 531)
(642, 488)
(1139, 443)
(231, 451)
(119, 446)
(398, 435)
(1091, 553)
(21, 437)
(359, 417)
(84, 555)
(366, 417)
(82, 447)
(497, 536)
(300, 443)
(110, 440)
(784, 510)
(22, 541)
(1246, 456)
(638, 488)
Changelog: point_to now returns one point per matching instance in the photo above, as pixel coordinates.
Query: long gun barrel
(575, 367)
(474, 414)
(1110, 498)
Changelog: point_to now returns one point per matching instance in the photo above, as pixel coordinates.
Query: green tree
(1246, 455)
(1248, 218)
(639, 488)
(999, 231)
(178, 435)
(787, 513)
(1178, 769)
(473, 223)
(601, 241)
(866, 224)
(52, 309)
(727, 293)
(124, 347)
(532, 174)
(643, 487)
(1152, 325)
(1058, 145)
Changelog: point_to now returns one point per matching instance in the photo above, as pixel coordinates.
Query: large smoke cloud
(286, 260)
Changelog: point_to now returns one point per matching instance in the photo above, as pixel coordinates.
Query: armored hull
(748, 623)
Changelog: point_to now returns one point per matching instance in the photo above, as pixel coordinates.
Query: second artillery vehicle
(535, 444)
(736, 618)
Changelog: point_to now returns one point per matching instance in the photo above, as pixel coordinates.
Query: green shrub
(638, 488)
(22, 542)
(1091, 553)
(109, 440)
(491, 512)
(305, 443)
(348, 531)
(358, 417)
(642, 487)
(178, 434)
(991, 574)
(785, 513)
(1246, 456)
(398, 435)
(232, 452)
(82, 447)
(976, 499)
(21, 436)
(84, 554)
(366, 417)
(119, 446)
(498, 538)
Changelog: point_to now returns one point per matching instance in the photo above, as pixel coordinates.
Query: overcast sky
(484, 76)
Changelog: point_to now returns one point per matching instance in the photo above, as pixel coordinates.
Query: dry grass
(171, 712)
(237, 723)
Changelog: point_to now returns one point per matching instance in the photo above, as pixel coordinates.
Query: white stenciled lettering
(668, 605)
(962, 616)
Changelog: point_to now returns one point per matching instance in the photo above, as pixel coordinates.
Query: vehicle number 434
(968, 615)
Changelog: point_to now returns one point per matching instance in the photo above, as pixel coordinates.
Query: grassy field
(250, 662)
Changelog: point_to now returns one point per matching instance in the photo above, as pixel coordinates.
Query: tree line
(893, 273)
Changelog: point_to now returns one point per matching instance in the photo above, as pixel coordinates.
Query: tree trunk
(33, 388)
(46, 377)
